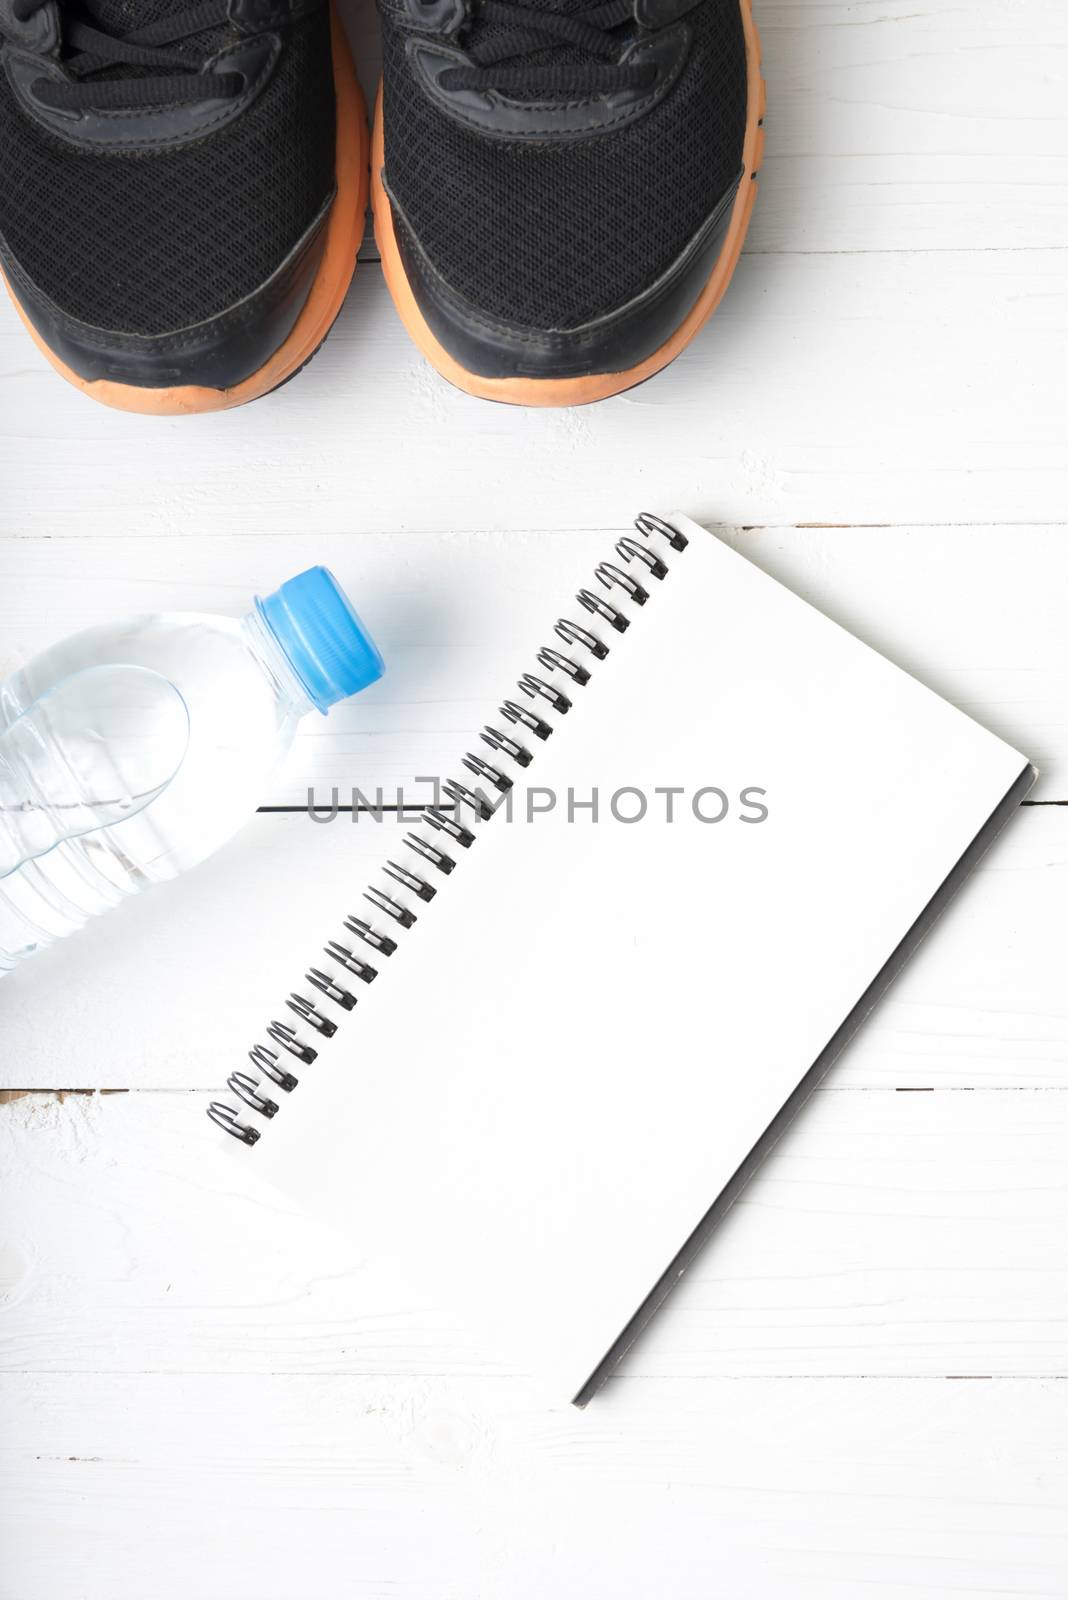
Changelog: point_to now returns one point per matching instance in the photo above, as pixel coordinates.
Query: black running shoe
(182, 191)
(560, 188)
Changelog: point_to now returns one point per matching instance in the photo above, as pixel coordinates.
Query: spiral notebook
(545, 1050)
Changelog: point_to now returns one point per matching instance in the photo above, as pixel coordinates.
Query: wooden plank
(171, 990)
(150, 1488)
(832, 388)
(899, 1234)
(975, 612)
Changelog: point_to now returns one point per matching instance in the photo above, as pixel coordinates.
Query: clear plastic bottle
(131, 751)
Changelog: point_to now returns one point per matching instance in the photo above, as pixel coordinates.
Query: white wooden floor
(863, 1388)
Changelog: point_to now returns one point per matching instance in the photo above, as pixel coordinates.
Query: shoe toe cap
(218, 352)
(617, 340)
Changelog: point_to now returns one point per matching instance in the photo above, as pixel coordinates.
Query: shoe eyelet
(442, 17)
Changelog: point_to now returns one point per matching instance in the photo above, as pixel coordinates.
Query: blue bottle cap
(325, 642)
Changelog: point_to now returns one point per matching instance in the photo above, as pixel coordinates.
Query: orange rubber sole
(344, 234)
(597, 385)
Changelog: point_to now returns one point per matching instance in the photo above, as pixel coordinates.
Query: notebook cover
(591, 1036)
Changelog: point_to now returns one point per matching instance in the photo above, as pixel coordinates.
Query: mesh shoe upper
(150, 243)
(553, 234)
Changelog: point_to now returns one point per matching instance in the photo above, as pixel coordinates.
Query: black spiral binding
(610, 606)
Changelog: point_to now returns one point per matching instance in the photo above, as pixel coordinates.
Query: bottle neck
(275, 665)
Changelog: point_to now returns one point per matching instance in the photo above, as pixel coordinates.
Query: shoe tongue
(123, 16)
(118, 17)
(566, 8)
(555, 52)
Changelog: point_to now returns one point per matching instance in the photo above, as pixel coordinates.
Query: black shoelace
(174, 77)
(521, 30)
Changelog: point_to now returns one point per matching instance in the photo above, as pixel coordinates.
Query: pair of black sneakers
(560, 187)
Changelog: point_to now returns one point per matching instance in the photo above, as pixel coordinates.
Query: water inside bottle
(77, 768)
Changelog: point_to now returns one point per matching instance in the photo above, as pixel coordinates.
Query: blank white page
(588, 1030)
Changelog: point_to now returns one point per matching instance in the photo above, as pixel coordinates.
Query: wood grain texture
(892, 1233)
(145, 1487)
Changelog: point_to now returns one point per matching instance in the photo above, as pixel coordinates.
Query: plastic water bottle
(130, 752)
